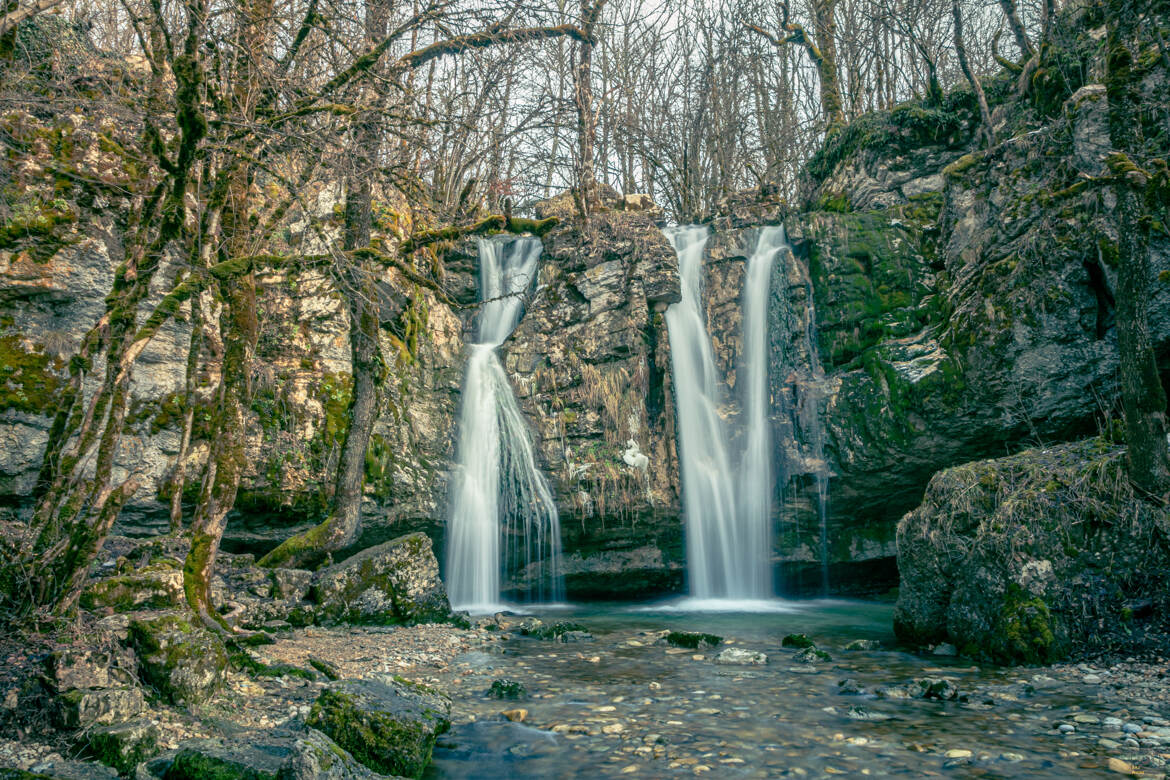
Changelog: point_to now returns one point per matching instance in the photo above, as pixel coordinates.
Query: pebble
(1119, 766)
(1131, 728)
(958, 753)
(1086, 719)
(1066, 728)
(518, 715)
(1091, 679)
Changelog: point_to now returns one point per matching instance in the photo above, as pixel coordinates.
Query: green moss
(385, 742)
(30, 380)
(510, 690)
(1025, 630)
(192, 764)
(692, 640)
(248, 663)
(799, 641)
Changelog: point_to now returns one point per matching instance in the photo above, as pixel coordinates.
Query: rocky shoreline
(651, 702)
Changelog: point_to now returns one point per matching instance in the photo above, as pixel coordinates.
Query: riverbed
(625, 702)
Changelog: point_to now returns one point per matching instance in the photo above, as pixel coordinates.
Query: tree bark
(1017, 28)
(586, 117)
(986, 129)
(1143, 398)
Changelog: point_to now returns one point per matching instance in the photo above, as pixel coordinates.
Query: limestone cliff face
(963, 308)
(590, 363)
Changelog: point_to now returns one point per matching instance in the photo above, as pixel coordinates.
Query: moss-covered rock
(389, 726)
(243, 757)
(1033, 558)
(184, 662)
(83, 707)
(395, 582)
(125, 745)
(317, 757)
(157, 586)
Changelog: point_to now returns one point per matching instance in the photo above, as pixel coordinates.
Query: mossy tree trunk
(238, 324)
(586, 115)
(77, 497)
(1143, 398)
(358, 282)
(986, 130)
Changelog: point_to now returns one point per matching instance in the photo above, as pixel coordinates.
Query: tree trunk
(1017, 27)
(986, 129)
(341, 528)
(586, 117)
(832, 104)
(239, 328)
(1143, 398)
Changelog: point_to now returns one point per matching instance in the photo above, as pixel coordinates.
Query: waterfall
(755, 468)
(498, 496)
(728, 510)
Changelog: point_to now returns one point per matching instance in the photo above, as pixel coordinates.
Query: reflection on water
(625, 704)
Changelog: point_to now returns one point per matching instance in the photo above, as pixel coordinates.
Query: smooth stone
(958, 753)
(518, 715)
(1066, 728)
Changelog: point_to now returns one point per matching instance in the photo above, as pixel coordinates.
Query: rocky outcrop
(1030, 557)
(390, 726)
(184, 662)
(590, 363)
(396, 582)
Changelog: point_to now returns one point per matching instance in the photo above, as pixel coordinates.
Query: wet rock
(944, 649)
(692, 640)
(556, 631)
(184, 662)
(389, 726)
(798, 641)
(740, 655)
(396, 582)
(125, 745)
(315, 756)
(811, 655)
(518, 715)
(863, 645)
(936, 688)
(576, 636)
(850, 687)
(510, 690)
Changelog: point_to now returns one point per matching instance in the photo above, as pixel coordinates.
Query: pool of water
(627, 704)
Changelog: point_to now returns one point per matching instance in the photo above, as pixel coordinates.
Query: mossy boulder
(317, 757)
(692, 640)
(124, 746)
(393, 583)
(249, 756)
(157, 586)
(1033, 558)
(184, 662)
(389, 726)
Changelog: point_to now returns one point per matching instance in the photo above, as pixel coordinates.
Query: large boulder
(183, 661)
(1035, 557)
(317, 757)
(392, 583)
(389, 725)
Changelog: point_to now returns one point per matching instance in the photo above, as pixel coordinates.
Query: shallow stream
(628, 704)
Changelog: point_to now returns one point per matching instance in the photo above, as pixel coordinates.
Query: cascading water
(755, 467)
(728, 511)
(498, 494)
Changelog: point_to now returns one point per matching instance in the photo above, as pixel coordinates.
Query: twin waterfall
(727, 496)
(502, 511)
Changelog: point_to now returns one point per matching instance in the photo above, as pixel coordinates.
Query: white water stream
(498, 496)
(727, 501)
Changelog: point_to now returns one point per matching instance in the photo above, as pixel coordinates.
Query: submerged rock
(811, 655)
(799, 641)
(692, 640)
(507, 689)
(739, 655)
(396, 582)
(389, 726)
